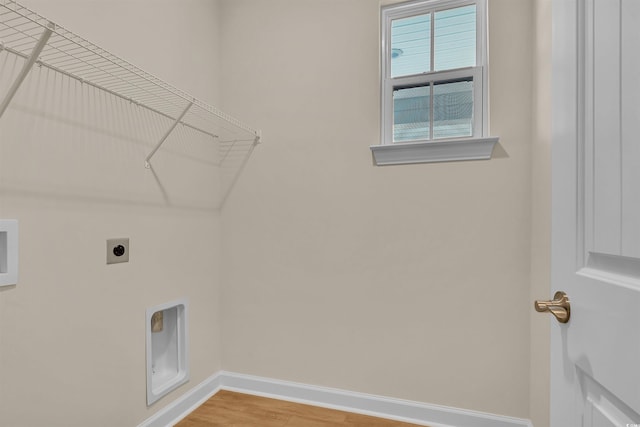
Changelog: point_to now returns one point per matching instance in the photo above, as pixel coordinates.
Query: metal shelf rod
(26, 68)
(166, 135)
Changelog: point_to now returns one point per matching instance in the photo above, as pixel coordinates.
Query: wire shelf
(31, 36)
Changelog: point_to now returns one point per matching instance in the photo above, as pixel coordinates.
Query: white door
(596, 212)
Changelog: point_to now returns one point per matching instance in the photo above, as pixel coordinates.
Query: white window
(434, 82)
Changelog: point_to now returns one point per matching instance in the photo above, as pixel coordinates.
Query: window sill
(431, 152)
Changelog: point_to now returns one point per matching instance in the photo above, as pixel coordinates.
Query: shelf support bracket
(35, 53)
(166, 135)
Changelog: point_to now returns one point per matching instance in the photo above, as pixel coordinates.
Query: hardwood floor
(230, 409)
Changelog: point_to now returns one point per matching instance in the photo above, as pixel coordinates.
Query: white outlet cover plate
(8, 252)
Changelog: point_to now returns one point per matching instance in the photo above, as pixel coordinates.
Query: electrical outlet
(117, 250)
(8, 252)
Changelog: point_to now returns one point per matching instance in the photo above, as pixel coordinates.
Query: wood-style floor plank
(230, 409)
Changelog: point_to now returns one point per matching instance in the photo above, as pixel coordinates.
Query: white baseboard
(185, 404)
(378, 406)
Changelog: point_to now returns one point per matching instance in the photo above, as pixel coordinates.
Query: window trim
(434, 150)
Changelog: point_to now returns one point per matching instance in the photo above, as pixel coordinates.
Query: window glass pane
(411, 45)
(453, 109)
(455, 38)
(411, 113)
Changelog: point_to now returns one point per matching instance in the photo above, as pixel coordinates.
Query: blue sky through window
(411, 45)
(454, 41)
(455, 38)
(450, 112)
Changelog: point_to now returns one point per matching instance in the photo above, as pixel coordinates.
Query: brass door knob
(560, 307)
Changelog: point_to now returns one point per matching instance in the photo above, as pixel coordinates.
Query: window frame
(439, 149)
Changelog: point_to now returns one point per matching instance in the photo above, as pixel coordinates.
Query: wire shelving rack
(41, 42)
